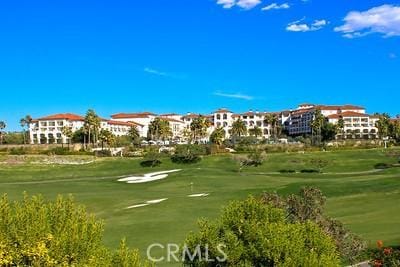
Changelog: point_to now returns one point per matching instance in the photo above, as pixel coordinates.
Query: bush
(34, 232)
(188, 154)
(103, 153)
(385, 256)
(17, 151)
(382, 166)
(309, 171)
(57, 151)
(287, 171)
(254, 234)
(309, 205)
(151, 159)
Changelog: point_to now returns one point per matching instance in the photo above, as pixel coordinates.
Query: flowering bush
(385, 256)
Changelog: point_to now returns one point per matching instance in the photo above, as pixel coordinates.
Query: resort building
(143, 119)
(49, 129)
(357, 124)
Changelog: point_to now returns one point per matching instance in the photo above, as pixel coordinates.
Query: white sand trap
(199, 195)
(148, 177)
(155, 201)
(137, 206)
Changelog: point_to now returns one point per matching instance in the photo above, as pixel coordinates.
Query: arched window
(225, 117)
(218, 117)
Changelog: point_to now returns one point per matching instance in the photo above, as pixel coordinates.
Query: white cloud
(234, 95)
(384, 19)
(248, 4)
(244, 4)
(297, 26)
(226, 3)
(155, 72)
(276, 6)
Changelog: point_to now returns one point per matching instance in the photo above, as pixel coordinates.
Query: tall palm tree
(25, 122)
(105, 136)
(340, 126)
(92, 124)
(256, 131)
(67, 132)
(238, 128)
(383, 125)
(272, 120)
(2, 127)
(134, 133)
(317, 124)
(159, 129)
(217, 136)
(199, 127)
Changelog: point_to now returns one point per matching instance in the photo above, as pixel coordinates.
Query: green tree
(340, 125)
(35, 232)
(106, 137)
(25, 122)
(329, 131)
(92, 125)
(249, 233)
(394, 130)
(134, 134)
(159, 129)
(316, 126)
(2, 127)
(273, 120)
(198, 128)
(238, 129)
(217, 136)
(308, 206)
(383, 125)
(67, 132)
(255, 131)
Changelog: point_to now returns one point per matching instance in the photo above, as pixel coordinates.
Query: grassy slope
(366, 202)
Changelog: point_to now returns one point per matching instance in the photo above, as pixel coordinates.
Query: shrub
(34, 232)
(188, 154)
(151, 159)
(287, 171)
(309, 205)
(309, 171)
(103, 153)
(17, 151)
(385, 256)
(254, 234)
(382, 166)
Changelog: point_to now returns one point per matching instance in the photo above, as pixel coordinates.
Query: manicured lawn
(365, 201)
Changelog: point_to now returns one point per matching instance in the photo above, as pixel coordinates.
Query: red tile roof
(123, 123)
(223, 110)
(347, 114)
(63, 116)
(170, 119)
(337, 107)
(132, 115)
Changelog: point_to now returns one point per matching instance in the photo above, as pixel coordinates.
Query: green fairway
(365, 199)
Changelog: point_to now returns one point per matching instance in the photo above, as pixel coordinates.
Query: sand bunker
(147, 203)
(149, 177)
(199, 195)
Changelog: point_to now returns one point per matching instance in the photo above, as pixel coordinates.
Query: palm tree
(316, 125)
(92, 125)
(133, 133)
(24, 122)
(273, 120)
(383, 125)
(340, 126)
(67, 132)
(217, 136)
(256, 131)
(105, 136)
(238, 128)
(199, 127)
(159, 129)
(2, 127)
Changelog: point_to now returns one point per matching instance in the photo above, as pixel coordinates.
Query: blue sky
(198, 55)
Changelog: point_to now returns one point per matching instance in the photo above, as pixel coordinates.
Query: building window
(218, 117)
(225, 116)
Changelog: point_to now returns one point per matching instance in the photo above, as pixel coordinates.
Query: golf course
(166, 208)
